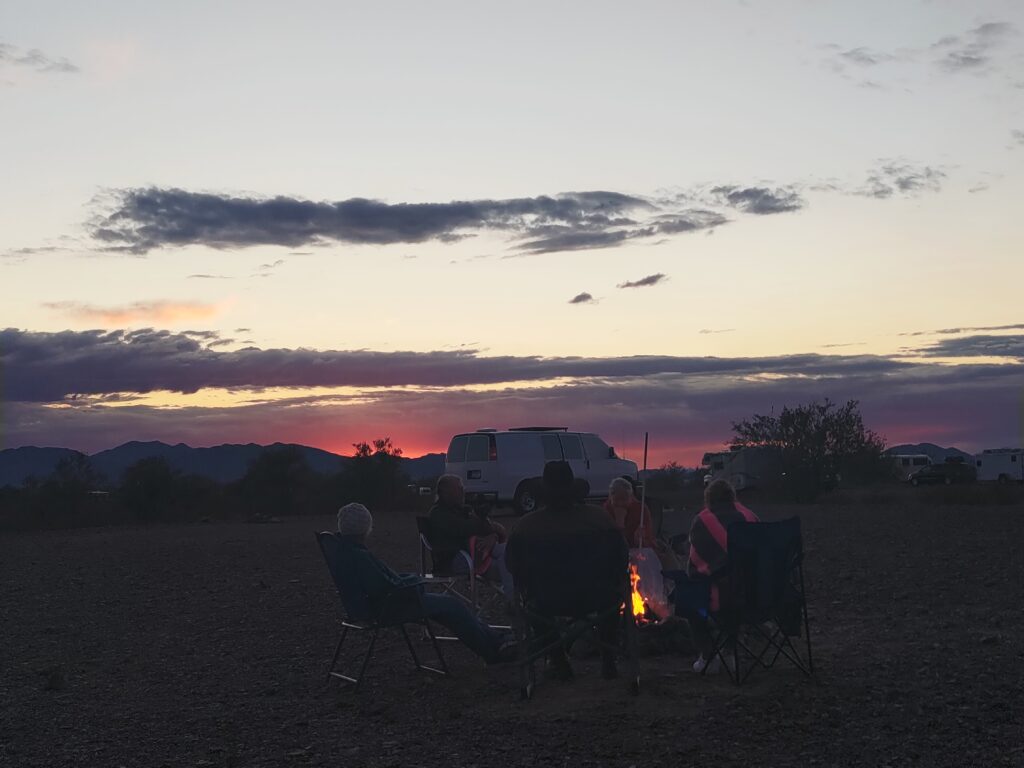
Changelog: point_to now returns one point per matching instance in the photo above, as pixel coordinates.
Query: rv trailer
(1000, 465)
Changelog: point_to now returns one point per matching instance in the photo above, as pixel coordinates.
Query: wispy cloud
(582, 298)
(973, 51)
(644, 282)
(965, 329)
(760, 200)
(208, 277)
(1018, 136)
(899, 177)
(716, 330)
(34, 59)
(140, 312)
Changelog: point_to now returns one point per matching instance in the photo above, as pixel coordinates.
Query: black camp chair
(763, 600)
(543, 628)
(401, 607)
(474, 583)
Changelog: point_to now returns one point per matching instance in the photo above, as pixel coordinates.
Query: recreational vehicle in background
(906, 464)
(744, 467)
(1000, 465)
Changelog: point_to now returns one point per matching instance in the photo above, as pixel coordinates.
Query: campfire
(641, 605)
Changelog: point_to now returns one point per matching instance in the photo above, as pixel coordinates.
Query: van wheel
(949, 481)
(1003, 479)
(527, 498)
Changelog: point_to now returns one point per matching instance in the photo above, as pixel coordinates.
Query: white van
(506, 466)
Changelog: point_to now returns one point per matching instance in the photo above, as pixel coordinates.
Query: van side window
(571, 447)
(552, 450)
(596, 448)
(920, 462)
(457, 450)
(1013, 457)
(478, 448)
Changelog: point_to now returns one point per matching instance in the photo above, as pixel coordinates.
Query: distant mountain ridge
(936, 453)
(223, 463)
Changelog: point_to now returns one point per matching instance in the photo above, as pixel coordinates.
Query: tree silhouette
(818, 443)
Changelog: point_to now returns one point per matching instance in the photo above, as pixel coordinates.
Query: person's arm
(377, 578)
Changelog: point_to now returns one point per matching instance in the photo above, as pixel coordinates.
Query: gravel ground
(207, 645)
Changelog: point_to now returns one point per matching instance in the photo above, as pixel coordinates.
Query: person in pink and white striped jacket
(709, 552)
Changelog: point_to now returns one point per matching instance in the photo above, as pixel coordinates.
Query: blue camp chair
(764, 602)
(402, 606)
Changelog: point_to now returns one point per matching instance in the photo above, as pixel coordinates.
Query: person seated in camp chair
(453, 524)
(709, 554)
(625, 509)
(378, 581)
(568, 560)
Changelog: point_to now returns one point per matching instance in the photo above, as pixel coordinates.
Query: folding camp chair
(563, 631)
(544, 628)
(448, 577)
(401, 607)
(764, 603)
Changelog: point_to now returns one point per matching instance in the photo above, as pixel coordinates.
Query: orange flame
(639, 604)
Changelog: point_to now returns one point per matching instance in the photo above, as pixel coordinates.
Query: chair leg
(437, 650)
(366, 659)
(807, 625)
(337, 652)
(408, 644)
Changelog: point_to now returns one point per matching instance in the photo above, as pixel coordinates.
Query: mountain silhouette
(223, 463)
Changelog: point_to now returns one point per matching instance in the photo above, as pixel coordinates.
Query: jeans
(450, 612)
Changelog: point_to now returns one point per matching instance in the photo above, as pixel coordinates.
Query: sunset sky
(329, 222)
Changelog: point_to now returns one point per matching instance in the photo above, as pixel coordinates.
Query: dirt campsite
(207, 644)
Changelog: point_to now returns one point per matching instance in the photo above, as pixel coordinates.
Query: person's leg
(451, 612)
(499, 571)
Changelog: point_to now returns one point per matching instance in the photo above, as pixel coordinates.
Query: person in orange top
(625, 510)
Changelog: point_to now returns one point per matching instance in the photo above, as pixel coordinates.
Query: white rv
(744, 467)
(906, 464)
(506, 466)
(1000, 465)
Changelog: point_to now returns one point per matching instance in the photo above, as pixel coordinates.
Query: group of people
(567, 558)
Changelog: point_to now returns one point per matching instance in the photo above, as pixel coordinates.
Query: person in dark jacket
(377, 582)
(569, 559)
(453, 524)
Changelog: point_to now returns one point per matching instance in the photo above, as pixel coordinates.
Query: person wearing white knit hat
(378, 581)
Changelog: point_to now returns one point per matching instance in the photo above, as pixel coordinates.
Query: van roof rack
(538, 429)
(489, 429)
